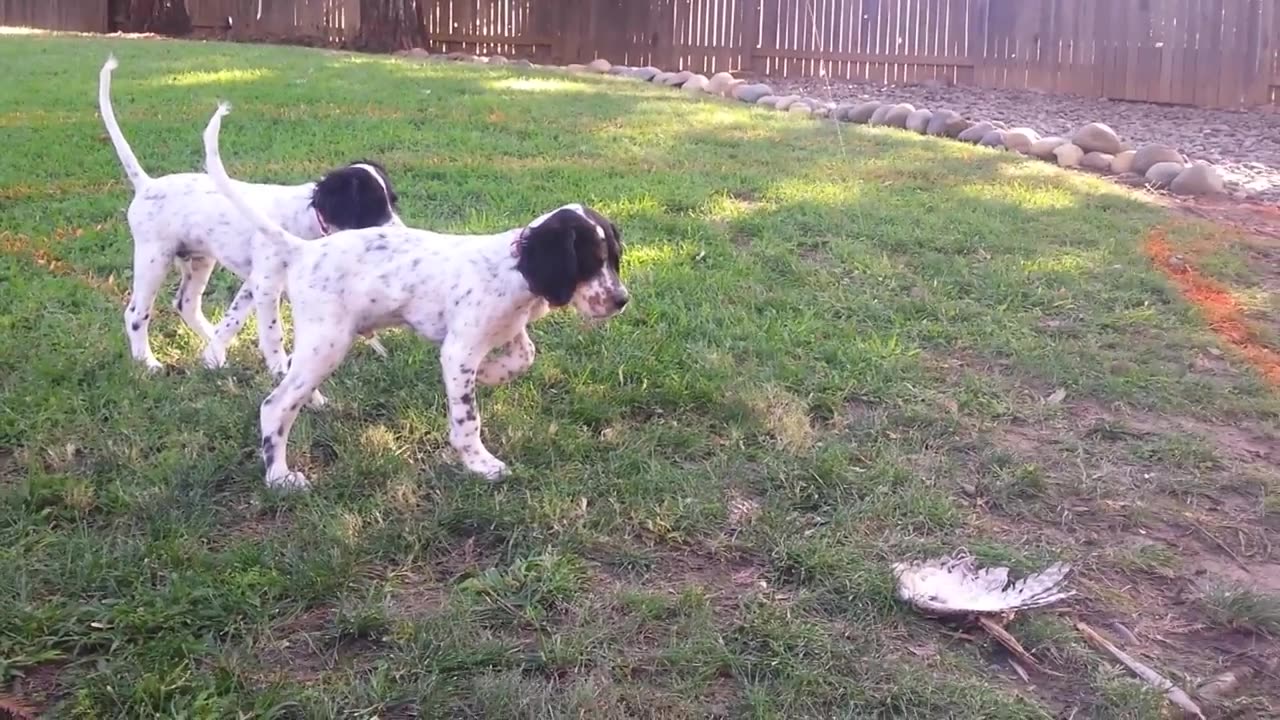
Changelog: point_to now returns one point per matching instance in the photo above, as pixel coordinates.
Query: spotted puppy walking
(181, 219)
(473, 294)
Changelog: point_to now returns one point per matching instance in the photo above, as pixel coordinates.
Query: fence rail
(1213, 53)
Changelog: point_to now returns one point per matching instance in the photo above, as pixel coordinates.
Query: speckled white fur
(183, 220)
(461, 291)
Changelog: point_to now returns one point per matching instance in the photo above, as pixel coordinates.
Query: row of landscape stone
(1094, 146)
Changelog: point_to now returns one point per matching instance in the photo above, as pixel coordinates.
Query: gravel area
(1244, 145)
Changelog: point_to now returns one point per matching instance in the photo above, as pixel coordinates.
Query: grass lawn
(846, 347)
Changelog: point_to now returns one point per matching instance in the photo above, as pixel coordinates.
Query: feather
(954, 586)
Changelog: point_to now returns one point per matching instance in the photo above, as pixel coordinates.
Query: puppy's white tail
(136, 174)
(213, 165)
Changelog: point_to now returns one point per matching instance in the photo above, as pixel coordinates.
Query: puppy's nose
(621, 299)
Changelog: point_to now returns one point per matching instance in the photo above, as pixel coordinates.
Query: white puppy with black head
(473, 294)
(183, 220)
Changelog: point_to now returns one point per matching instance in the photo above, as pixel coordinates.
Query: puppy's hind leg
(149, 269)
(266, 303)
(189, 299)
(215, 353)
(316, 356)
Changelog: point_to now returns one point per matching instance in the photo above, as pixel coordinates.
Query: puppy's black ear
(612, 236)
(336, 199)
(548, 260)
(351, 198)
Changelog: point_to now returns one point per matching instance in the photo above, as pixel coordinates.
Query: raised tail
(213, 165)
(137, 176)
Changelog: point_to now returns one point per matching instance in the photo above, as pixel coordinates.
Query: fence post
(750, 34)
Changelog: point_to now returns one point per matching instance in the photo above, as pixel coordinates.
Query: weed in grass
(529, 587)
(1243, 608)
(1122, 697)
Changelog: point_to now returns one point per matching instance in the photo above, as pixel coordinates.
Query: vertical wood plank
(1233, 63)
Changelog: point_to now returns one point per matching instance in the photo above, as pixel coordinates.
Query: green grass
(839, 354)
(1244, 608)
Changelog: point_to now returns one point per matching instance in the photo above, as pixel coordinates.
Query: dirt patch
(1221, 310)
(21, 246)
(1257, 223)
(726, 579)
(250, 523)
(415, 595)
(33, 693)
(308, 647)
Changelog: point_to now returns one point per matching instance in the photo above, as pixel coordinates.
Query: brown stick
(1153, 678)
(1003, 637)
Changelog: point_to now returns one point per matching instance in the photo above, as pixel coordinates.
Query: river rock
(877, 117)
(1198, 179)
(785, 103)
(1097, 161)
(1044, 147)
(993, 139)
(1020, 139)
(751, 93)
(696, 85)
(1151, 155)
(897, 117)
(1162, 174)
(862, 113)
(918, 121)
(1096, 137)
(1123, 163)
(718, 81)
(975, 133)
(1068, 155)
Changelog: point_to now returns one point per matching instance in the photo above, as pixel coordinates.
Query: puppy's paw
(317, 400)
(215, 356)
(288, 481)
(153, 366)
(490, 468)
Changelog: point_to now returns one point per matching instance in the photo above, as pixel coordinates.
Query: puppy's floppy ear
(612, 236)
(548, 260)
(337, 199)
(350, 198)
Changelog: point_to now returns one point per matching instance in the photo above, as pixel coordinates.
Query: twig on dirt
(1011, 643)
(1155, 679)
(1220, 544)
(1021, 673)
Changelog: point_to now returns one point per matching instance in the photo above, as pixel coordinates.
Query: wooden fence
(327, 22)
(1214, 53)
(70, 15)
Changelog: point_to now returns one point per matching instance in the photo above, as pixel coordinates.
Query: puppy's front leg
(459, 361)
(215, 353)
(508, 361)
(318, 354)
